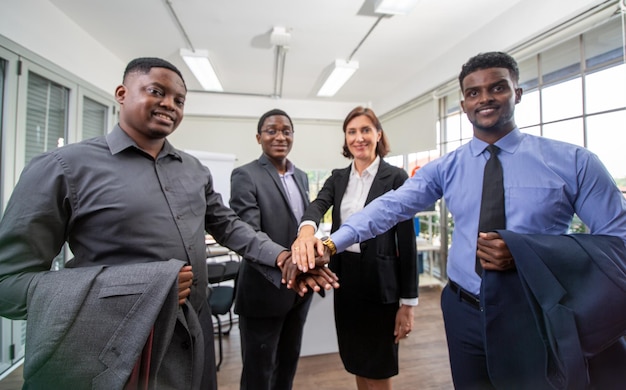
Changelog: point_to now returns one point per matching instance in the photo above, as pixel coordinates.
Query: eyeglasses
(272, 132)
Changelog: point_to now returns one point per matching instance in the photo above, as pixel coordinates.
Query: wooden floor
(423, 358)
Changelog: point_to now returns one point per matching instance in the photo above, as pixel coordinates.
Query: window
(396, 161)
(606, 89)
(562, 101)
(570, 131)
(606, 138)
(46, 123)
(528, 111)
(317, 178)
(457, 129)
(41, 107)
(2, 70)
(46, 115)
(94, 118)
(418, 160)
(573, 92)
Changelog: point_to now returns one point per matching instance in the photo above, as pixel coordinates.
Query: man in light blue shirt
(546, 182)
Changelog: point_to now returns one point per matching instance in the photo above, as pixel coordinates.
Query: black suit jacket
(388, 267)
(258, 197)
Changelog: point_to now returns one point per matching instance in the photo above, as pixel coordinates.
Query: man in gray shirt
(127, 197)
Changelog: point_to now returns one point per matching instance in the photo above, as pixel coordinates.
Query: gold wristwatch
(329, 244)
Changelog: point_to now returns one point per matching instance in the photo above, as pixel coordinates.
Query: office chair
(221, 297)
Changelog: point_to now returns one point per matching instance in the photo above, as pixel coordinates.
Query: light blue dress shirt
(291, 189)
(545, 183)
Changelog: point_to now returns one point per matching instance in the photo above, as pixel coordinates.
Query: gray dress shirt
(115, 204)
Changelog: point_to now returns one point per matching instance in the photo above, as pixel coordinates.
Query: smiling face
(151, 104)
(489, 99)
(275, 144)
(361, 138)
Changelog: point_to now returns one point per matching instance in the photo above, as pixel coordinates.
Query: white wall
(317, 144)
(41, 28)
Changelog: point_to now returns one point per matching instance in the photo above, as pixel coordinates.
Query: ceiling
(398, 52)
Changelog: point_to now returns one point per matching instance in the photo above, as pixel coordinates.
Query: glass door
(12, 333)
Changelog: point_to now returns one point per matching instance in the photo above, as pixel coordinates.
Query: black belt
(465, 296)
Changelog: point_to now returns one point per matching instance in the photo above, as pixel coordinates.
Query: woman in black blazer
(378, 277)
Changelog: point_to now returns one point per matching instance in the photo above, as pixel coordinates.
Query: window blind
(46, 115)
(94, 118)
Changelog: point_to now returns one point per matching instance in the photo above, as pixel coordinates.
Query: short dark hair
(143, 65)
(273, 112)
(493, 59)
(382, 147)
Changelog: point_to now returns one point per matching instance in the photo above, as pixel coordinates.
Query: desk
(220, 263)
(222, 256)
(215, 250)
(220, 271)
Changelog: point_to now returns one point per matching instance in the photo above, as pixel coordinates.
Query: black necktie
(492, 203)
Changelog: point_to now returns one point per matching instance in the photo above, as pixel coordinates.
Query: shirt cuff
(409, 301)
(343, 238)
(307, 223)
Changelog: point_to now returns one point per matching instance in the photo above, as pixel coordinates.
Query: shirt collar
(371, 170)
(509, 143)
(290, 168)
(119, 141)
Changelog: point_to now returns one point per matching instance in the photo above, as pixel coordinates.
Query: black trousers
(270, 347)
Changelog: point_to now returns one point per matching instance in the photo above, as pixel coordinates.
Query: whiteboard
(221, 165)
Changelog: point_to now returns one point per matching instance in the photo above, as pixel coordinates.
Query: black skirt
(364, 328)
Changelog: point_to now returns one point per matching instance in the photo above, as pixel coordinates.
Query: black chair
(221, 297)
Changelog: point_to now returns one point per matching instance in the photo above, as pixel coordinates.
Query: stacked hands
(303, 268)
(306, 266)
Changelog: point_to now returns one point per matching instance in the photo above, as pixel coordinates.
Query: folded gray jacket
(87, 327)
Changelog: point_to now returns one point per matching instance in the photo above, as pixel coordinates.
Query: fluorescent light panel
(339, 76)
(394, 7)
(199, 64)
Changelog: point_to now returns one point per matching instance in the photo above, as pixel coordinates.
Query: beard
(505, 121)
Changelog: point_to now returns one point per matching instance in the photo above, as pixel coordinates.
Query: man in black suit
(270, 194)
